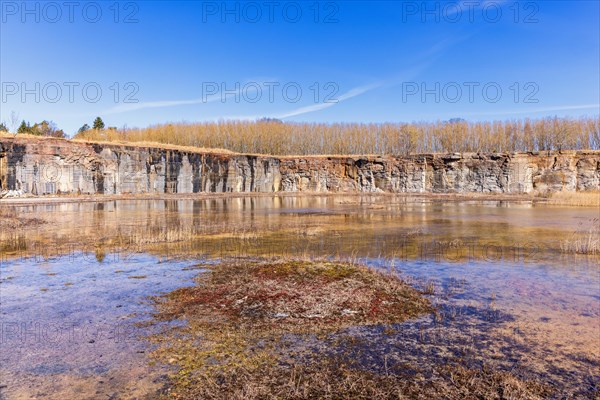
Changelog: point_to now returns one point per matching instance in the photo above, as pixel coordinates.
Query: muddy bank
(40, 167)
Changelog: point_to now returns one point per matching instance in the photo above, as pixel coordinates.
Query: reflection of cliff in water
(402, 229)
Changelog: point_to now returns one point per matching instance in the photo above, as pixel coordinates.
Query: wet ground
(74, 289)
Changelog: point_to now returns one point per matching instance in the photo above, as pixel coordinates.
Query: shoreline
(451, 197)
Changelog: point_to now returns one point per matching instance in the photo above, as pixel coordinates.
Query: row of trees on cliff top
(49, 128)
(278, 138)
(44, 128)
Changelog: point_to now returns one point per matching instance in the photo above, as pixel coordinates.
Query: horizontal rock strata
(52, 166)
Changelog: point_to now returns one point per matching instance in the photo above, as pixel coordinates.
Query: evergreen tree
(84, 128)
(24, 128)
(98, 124)
(3, 128)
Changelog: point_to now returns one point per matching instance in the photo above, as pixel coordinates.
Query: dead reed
(584, 241)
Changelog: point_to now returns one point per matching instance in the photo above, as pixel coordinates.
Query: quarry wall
(38, 167)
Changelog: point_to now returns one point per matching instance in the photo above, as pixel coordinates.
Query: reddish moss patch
(295, 295)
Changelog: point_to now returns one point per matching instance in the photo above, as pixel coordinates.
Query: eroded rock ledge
(37, 167)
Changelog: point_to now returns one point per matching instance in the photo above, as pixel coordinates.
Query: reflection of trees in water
(331, 235)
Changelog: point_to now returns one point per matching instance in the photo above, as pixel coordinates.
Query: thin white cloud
(403, 76)
(123, 108)
(174, 103)
(357, 91)
(308, 109)
(321, 106)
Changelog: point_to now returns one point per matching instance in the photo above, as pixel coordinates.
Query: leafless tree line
(278, 138)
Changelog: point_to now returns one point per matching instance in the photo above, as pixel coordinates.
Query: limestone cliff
(52, 166)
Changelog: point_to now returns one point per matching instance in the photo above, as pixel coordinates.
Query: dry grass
(250, 325)
(29, 136)
(584, 199)
(330, 378)
(585, 240)
(165, 146)
(104, 138)
(276, 138)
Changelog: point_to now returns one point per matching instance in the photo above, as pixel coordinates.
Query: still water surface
(74, 289)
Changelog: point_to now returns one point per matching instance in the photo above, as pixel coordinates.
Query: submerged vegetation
(283, 329)
(278, 138)
(11, 220)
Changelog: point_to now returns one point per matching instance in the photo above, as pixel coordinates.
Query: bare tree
(14, 122)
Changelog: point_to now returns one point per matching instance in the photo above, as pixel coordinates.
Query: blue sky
(329, 61)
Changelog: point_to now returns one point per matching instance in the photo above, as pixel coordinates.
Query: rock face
(52, 166)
